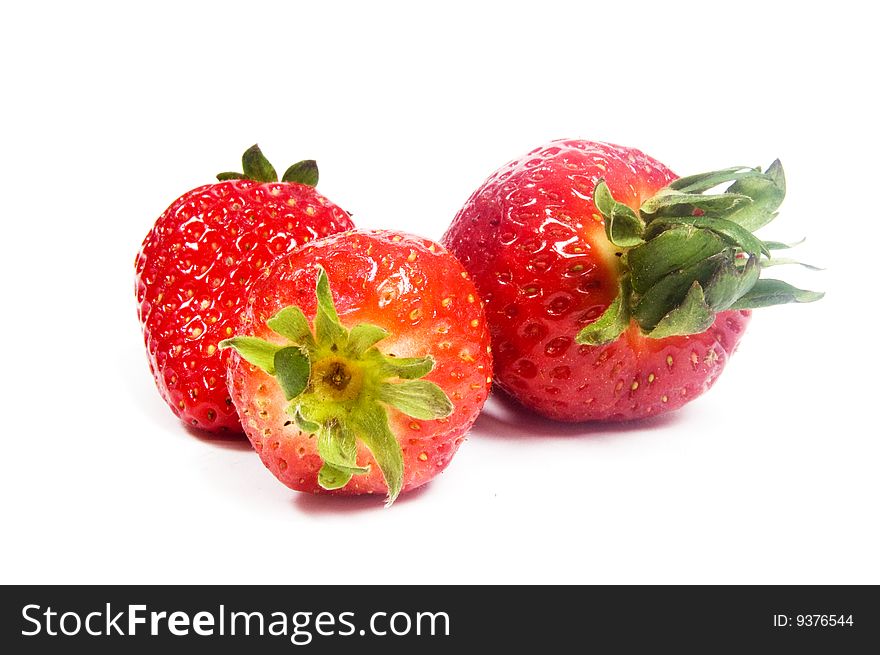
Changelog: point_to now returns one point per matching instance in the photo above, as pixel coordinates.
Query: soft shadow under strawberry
(226, 440)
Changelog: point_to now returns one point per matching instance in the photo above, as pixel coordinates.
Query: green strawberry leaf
(331, 477)
(304, 424)
(609, 325)
(779, 245)
(766, 191)
(774, 292)
(785, 261)
(256, 166)
(256, 351)
(704, 181)
(328, 329)
(303, 172)
(734, 234)
(622, 226)
(362, 337)
(292, 370)
(370, 423)
(417, 398)
(674, 203)
(337, 446)
(672, 290)
(292, 324)
(692, 316)
(405, 368)
(672, 250)
(730, 282)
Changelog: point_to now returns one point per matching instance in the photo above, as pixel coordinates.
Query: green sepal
(256, 167)
(337, 446)
(623, 227)
(405, 368)
(611, 323)
(409, 368)
(417, 398)
(730, 282)
(731, 232)
(304, 424)
(331, 477)
(674, 203)
(705, 181)
(328, 329)
(693, 253)
(672, 290)
(362, 337)
(303, 172)
(603, 199)
(292, 324)
(768, 292)
(691, 316)
(767, 192)
(256, 351)
(785, 261)
(292, 370)
(672, 250)
(370, 423)
(779, 245)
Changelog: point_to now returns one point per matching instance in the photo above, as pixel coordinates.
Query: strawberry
(615, 290)
(197, 263)
(379, 395)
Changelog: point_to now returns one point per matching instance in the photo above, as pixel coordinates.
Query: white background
(111, 111)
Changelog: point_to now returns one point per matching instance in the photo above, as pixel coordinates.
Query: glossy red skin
(535, 245)
(193, 273)
(422, 296)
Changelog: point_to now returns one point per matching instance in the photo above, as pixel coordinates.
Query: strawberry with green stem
(615, 290)
(195, 268)
(377, 397)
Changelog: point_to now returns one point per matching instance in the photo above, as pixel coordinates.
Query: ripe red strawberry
(379, 396)
(197, 263)
(614, 290)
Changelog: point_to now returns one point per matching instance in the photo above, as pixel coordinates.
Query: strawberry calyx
(686, 255)
(340, 385)
(256, 167)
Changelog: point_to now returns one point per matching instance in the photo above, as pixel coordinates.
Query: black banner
(436, 619)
